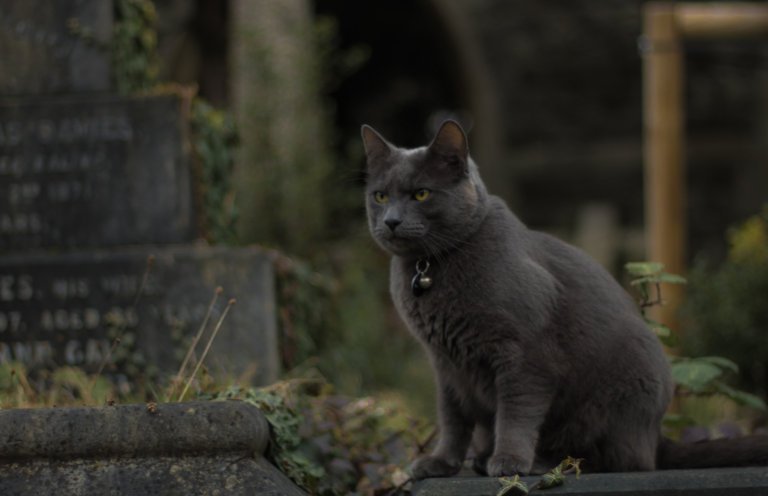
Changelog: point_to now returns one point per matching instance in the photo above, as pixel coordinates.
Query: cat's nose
(393, 223)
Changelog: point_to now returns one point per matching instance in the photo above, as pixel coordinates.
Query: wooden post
(721, 20)
(665, 197)
(666, 26)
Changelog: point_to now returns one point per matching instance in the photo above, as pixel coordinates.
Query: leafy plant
(554, 478)
(134, 46)
(725, 307)
(701, 376)
(336, 445)
(214, 140)
(647, 279)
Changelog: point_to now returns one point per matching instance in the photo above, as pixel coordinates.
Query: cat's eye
(380, 197)
(421, 194)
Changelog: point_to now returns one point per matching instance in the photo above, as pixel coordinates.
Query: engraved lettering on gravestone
(66, 148)
(68, 309)
(33, 353)
(96, 171)
(10, 322)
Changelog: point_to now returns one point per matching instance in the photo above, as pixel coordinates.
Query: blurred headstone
(54, 47)
(93, 171)
(69, 309)
(92, 186)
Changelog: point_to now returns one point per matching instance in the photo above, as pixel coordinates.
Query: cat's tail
(747, 451)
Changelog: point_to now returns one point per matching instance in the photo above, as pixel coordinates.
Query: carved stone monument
(93, 171)
(92, 186)
(54, 47)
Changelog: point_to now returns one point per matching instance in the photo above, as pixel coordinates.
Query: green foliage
(335, 445)
(701, 376)
(214, 139)
(57, 387)
(512, 486)
(307, 311)
(705, 376)
(726, 306)
(553, 478)
(284, 424)
(648, 275)
(134, 46)
(335, 316)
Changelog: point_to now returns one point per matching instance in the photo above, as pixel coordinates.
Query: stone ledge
(231, 475)
(195, 448)
(133, 430)
(750, 481)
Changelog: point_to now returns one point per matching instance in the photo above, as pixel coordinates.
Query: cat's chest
(439, 316)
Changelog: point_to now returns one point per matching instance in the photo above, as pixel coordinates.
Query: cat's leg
(482, 444)
(521, 406)
(455, 434)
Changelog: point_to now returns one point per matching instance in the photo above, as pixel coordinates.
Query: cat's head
(422, 201)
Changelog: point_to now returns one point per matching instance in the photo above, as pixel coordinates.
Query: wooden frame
(666, 26)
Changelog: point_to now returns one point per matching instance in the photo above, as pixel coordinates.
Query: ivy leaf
(695, 375)
(551, 479)
(664, 333)
(641, 269)
(512, 486)
(741, 397)
(721, 362)
(677, 421)
(672, 278)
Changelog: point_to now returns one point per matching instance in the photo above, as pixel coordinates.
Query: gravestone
(92, 186)
(69, 309)
(53, 47)
(94, 171)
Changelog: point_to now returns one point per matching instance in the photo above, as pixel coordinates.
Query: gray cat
(538, 352)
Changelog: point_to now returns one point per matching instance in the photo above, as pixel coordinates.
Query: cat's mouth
(401, 243)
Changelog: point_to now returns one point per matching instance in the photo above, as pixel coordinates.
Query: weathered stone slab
(196, 448)
(752, 481)
(68, 309)
(94, 171)
(52, 47)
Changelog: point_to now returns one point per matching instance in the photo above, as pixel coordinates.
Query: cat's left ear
(451, 142)
(375, 145)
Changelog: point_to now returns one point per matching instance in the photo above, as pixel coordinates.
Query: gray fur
(538, 353)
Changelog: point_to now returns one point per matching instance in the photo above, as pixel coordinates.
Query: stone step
(750, 481)
(194, 448)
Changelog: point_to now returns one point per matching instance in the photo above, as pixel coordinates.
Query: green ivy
(214, 139)
(336, 445)
(134, 46)
(700, 376)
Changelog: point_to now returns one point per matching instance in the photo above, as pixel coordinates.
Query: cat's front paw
(434, 466)
(480, 465)
(504, 465)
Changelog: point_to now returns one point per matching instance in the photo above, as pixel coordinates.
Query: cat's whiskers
(445, 243)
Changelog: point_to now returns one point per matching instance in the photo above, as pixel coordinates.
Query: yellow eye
(380, 197)
(421, 194)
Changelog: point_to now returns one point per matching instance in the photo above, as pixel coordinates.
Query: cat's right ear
(375, 145)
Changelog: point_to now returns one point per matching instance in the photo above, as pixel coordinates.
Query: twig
(423, 445)
(196, 339)
(207, 347)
